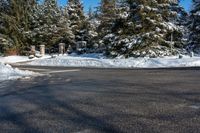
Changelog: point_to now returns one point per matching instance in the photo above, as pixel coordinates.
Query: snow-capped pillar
(61, 48)
(69, 49)
(42, 50)
(191, 54)
(32, 50)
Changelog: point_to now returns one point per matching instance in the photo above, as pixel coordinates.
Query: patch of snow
(195, 106)
(102, 62)
(13, 59)
(92, 55)
(17, 59)
(9, 73)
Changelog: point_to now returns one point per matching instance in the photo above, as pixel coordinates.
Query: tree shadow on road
(57, 114)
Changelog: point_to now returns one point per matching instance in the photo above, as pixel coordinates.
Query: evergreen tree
(4, 5)
(194, 43)
(76, 18)
(93, 24)
(50, 26)
(106, 16)
(90, 13)
(80, 25)
(180, 18)
(120, 29)
(148, 30)
(15, 21)
(3, 41)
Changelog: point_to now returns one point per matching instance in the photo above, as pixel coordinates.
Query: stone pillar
(69, 49)
(42, 50)
(191, 54)
(61, 48)
(32, 52)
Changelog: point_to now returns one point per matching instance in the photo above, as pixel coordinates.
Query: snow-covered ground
(9, 73)
(91, 60)
(16, 59)
(99, 61)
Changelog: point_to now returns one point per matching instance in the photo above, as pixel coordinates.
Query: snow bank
(8, 73)
(13, 59)
(17, 59)
(92, 55)
(100, 62)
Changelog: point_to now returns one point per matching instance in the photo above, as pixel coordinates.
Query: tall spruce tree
(81, 27)
(106, 16)
(3, 41)
(194, 43)
(50, 26)
(15, 22)
(76, 18)
(148, 30)
(120, 29)
(180, 18)
(93, 24)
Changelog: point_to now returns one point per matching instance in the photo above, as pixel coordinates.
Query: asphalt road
(76, 100)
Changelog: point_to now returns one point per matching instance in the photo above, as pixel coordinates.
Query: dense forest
(129, 28)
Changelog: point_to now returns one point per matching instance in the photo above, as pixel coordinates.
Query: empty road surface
(77, 100)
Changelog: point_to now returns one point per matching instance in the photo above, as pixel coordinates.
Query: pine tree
(148, 30)
(15, 21)
(4, 6)
(93, 24)
(3, 41)
(180, 18)
(121, 28)
(194, 43)
(50, 26)
(106, 17)
(80, 26)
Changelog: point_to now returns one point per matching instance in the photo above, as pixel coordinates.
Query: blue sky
(93, 3)
(186, 4)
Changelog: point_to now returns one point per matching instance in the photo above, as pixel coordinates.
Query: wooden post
(42, 50)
